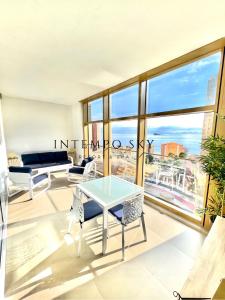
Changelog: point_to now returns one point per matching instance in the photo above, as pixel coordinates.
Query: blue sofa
(50, 161)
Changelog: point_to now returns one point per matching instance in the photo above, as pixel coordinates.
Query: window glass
(95, 110)
(124, 149)
(172, 167)
(96, 144)
(124, 103)
(192, 85)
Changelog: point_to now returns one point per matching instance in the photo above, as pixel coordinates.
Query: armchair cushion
(39, 178)
(76, 170)
(20, 169)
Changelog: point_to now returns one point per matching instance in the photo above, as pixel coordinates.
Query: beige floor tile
(87, 291)
(130, 280)
(168, 264)
(189, 242)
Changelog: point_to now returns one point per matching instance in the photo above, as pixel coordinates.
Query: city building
(172, 148)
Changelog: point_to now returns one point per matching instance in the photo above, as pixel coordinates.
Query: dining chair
(128, 212)
(83, 212)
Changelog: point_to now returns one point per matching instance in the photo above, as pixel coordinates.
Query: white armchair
(85, 171)
(22, 178)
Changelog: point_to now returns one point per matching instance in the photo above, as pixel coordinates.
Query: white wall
(33, 125)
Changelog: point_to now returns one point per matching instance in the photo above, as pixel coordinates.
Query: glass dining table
(108, 192)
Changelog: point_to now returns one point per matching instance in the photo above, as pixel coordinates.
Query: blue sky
(185, 87)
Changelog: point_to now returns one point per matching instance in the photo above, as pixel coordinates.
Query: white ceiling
(65, 50)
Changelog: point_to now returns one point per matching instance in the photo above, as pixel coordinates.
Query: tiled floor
(42, 262)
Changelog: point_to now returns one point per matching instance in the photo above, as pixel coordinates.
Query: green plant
(213, 163)
(215, 206)
(149, 159)
(183, 155)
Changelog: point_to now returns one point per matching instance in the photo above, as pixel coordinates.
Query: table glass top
(109, 189)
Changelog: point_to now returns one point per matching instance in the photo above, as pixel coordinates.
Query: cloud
(195, 66)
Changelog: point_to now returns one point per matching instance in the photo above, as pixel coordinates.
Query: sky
(185, 87)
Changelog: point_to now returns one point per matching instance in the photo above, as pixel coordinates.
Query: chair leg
(143, 226)
(80, 238)
(123, 243)
(31, 193)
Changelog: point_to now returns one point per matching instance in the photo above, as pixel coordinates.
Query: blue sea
(190, 138)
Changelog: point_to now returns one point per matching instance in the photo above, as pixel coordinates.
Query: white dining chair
(82, 212)
(128, 212)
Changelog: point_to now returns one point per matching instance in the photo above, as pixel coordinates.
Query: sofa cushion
(64, 162)
(20, 169)
(60, 156)
(43, 165)
(46, 157)
(31, 158)
(39, 178)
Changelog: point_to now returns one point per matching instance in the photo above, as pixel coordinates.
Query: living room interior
(112, 149)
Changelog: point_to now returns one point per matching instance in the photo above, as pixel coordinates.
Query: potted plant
(213, 163)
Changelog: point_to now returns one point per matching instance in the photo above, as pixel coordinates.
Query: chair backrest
(78, 209)
(90, 167)
(132, 209)
(86, 160)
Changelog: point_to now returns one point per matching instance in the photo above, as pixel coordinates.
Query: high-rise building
(172, 148)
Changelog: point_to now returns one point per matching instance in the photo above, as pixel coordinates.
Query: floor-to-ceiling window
(172, 167)
(123, 132)
(167, 114)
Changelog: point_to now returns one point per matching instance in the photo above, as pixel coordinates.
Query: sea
(191, 139)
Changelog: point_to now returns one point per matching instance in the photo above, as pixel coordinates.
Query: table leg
(105, 231)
